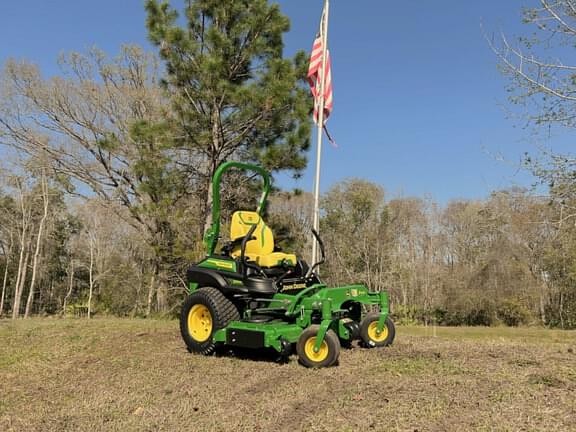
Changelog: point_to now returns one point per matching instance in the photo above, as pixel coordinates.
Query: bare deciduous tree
(39, 236)
(105, 127)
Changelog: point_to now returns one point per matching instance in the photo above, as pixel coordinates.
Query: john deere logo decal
(294, 287)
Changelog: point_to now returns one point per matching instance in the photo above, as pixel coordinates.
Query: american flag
(315, 75)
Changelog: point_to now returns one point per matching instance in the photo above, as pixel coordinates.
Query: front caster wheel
(369, 331)
(326, 356)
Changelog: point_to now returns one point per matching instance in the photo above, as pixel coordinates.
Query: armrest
(229, 246)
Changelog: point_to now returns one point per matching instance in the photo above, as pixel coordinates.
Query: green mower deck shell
(318, 299)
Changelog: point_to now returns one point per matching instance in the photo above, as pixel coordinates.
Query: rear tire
(205, 311)
(369, 334)
(326, 356)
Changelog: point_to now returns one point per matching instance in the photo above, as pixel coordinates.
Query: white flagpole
(316, 219)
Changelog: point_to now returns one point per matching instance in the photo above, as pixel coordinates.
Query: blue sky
(418, 98)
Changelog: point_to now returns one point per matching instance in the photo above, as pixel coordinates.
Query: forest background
(105, 185)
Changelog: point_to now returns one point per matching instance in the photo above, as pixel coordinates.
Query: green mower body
(234, 302)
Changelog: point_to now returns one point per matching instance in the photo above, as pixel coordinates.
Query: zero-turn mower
(251, 295)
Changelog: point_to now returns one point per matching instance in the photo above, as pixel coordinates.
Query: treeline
(509, 259)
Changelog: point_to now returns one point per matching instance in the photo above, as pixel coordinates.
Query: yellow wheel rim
(319, 356)
(200, 323)
(373, 332)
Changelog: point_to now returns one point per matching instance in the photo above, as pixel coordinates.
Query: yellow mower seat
(261, 249)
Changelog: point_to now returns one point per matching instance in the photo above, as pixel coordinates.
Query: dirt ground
(120, 374)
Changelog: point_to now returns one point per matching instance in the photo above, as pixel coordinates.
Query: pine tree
(234, 94)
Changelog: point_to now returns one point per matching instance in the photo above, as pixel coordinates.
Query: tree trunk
(3, 297)
(51, 294)
(543, 303)
(15, 306)
(216, 147)
(38, 244)
(138, 293)
(161, 294)
(70, 287)
(20, 285)
(5, 280)
(21, 262)
(150, 294)
(561, 309)
(208, 208)
(208, 220)
(91, 276)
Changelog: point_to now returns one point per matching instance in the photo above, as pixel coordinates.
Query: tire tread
(223, 310)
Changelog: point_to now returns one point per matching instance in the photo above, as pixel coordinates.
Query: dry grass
(114, 374)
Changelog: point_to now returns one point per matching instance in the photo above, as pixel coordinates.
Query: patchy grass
(115, 374)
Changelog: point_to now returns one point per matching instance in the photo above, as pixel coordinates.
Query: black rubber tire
(222, 312)
(368, 342)
(331, 340)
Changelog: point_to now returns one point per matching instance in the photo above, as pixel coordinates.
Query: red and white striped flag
(315, 75)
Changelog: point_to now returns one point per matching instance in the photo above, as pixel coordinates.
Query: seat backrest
(242, 221)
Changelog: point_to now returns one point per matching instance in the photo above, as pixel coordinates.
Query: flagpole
(316, 216)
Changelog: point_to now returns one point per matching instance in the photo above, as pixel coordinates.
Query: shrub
(512, 313)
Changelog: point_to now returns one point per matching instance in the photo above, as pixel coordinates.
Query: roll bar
(211, 236)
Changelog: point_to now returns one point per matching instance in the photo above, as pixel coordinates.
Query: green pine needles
(234, 94)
